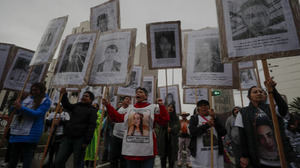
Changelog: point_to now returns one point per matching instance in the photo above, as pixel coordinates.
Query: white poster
(135, 81)
(149, 84)
(19, 70)
(193, 95)
(74, 61)
(105, 17)
(202, 65)
(4, 53)
(172, 97)
(113, 58)
(256, 27)
(49, 41)
(247, 78)
(247, 64)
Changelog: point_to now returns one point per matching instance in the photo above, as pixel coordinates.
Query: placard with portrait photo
(135, 81)
(164, 45)
(193, 95)
(247, 79)
(74, 62)
(113, 58)
(202, 66)
(258, 29)
(149, 83)
(49, 41)
(172, 97)
(19, 71)
(6, 59)
(105, 17)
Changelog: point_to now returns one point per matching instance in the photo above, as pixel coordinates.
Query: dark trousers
(117, 160)
(21, 148)
(163, 162)
(66, 148)
(53, 149)
(149, 163)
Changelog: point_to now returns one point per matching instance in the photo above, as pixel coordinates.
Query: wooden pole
(14, 111)
(274, 117)
(211, 133)
(51, 132)
(242, 100)
(100, 127)
(196, 95)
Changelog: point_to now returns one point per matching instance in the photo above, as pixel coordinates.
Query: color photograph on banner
(247, 79)
(5, 57)
(113, 58)
(258, 29)
(106, 16)
(172, 97)
(246, 64)
(74, 61)
(49, 41)
(164, 45)
(149, 83)
(19, 71)
(193, 95)
(202, 64)
(135, 81)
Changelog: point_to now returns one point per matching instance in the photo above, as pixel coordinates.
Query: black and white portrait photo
(49, 41)
(105, 17)
(135, 81)
(202, 66)
(171, 97)
(74, 60)
(149, 84)
(113, 58)
(247, 78)
(193, 95)
(257, 29)
(164, 45)
(5, 50)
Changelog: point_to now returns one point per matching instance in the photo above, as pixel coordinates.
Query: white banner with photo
(172, 97)
(150, 85)
(193, 95)
(75, 60)
(135, 81)
(247, 78)
(4, 53)
(49, 41)
(203, 66)
(113, 57)
(256, 27)
(19, 70)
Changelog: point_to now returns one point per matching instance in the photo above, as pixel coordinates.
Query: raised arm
(162, 118)
(65, 101)
(114, 115)
(40, 111)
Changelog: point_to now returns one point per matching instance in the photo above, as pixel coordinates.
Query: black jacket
(248, 140)
(82, 121)
(197, 131)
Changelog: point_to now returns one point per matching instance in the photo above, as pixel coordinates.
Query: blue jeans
(18, 148)
(149, 163)
(66, 148)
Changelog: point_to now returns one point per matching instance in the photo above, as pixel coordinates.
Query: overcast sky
(24, 21)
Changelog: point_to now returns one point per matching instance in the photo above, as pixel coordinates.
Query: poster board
(49, 41)
(74, 62)
(6, 57)
(106, 16)
(202, 66)
(164, 45)
(258, 29)
(149, 83)
(190, 97)
(113, 58)
(248, 78)
(172, 97)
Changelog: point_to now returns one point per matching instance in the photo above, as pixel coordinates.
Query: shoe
(189, 165)
(179, 164)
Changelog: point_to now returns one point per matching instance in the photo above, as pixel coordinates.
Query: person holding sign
(27, 126)
(257, 138)
(200, 125)
(140, 150)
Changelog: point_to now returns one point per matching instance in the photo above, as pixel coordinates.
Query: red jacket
(162, 119)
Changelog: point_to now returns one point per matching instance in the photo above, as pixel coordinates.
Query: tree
(295, 106)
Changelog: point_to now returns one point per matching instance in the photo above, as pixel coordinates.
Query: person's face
(169, 99)
(126, 101)
(137, 119)
(236, 111)
(164, 45)
(86, 98)
(170, 109)
(35, 91)
(140, 95)
(110, 54)
(203, 110)
(244, 76)
(256, 18)
(266, 137)
(256, 95)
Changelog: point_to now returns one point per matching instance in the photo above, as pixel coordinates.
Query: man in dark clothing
(78, 131)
